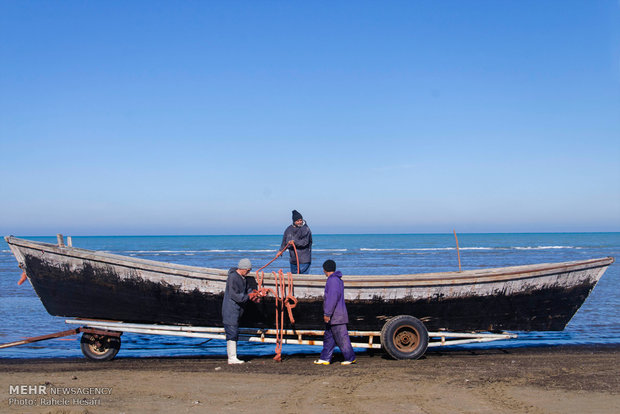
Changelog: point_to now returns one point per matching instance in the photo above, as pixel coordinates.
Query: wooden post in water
(458, 253)
(61, 241)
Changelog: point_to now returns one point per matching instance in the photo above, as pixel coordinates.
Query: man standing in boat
(335, 317)
(237, 294)
(300, 234)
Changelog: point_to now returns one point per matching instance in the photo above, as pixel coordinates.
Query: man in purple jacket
(335, 317)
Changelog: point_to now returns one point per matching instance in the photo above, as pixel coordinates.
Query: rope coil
(283, 293)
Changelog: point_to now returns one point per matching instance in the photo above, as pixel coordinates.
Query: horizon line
(319, 234)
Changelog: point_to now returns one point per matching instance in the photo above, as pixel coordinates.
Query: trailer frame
(292, 337)
(100, 330)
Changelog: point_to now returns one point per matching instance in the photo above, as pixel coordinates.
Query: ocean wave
(428, 249)
(368, 249)
(425, 249)
(237, 251)
(193, 252)
(543, 247)
(361, 249)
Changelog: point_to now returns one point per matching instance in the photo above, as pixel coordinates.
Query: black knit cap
(329, 266)
(296, 215)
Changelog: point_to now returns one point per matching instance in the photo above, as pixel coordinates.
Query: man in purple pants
(335, 317)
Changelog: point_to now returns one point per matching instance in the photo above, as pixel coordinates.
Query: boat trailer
(101, 339)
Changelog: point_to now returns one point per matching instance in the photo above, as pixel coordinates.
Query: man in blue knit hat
(300, 234)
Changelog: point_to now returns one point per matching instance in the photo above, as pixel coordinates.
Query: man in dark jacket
(238, 292)
(300, 234)
(335, 317)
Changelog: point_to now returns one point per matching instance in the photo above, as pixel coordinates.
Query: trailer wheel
(100, 347)
(404, 337)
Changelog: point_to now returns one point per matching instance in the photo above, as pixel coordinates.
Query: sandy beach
(574, 379)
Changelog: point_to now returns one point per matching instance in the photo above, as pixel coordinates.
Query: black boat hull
(93, 291)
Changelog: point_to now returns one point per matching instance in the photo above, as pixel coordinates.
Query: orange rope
(292, 243)
(283, 293)
(23, 278)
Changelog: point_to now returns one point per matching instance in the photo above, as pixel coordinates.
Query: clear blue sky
(220, 117)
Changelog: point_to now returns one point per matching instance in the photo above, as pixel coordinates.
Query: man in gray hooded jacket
(239, 290)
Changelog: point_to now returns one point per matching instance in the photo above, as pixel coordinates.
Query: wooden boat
(74, 282)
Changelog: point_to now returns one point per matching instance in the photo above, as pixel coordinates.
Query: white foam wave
(193, 252)
(424, 249)
(364, 249)
(544, 247)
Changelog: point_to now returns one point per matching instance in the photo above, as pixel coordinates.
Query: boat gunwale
(473, 276)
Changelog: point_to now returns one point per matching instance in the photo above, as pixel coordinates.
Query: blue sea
(597, 322)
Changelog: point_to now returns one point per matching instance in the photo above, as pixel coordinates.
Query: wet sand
(582, 379)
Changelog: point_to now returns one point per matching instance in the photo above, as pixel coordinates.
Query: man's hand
(254, 296)
(326, 318)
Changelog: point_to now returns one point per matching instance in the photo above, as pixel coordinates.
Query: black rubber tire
(100, 347)
(404, 337)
